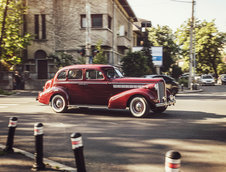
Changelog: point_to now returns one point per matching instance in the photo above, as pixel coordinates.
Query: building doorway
(42, 69)
(42, 64)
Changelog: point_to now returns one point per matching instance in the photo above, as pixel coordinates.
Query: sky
(174, 13)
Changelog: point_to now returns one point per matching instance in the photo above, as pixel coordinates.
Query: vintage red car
(88, 85)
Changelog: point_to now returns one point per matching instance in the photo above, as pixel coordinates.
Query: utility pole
(191, 77)
(88, 33)
(192, 55)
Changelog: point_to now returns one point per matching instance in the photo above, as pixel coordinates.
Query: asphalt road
(116, 142)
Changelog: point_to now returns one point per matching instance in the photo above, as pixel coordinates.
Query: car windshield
(113, 73)
(207, 77)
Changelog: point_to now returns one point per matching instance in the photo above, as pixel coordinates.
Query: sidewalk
(22, 93)
(22, 161)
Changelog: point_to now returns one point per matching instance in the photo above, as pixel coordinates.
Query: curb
(190, 91)
(46, 161)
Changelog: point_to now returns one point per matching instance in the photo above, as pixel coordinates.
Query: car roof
(87, 66)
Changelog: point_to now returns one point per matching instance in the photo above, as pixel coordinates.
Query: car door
(96, 88)
(75, 86)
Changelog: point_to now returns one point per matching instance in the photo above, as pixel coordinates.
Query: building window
(96, 21)
(43, 26)
(36, 26)
(109, 22)
(83, 21)
(40, 26)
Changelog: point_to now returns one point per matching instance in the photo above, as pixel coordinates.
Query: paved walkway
(22, 161)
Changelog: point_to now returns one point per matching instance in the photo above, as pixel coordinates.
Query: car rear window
(62, 75)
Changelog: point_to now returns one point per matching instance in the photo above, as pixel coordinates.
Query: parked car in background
(207, 79)
(171, 84)
(222, 79)
(88, 85)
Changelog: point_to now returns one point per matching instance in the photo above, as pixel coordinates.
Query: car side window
(75, 74)
(94, 74)
(62, 75)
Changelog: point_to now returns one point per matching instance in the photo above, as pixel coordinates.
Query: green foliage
(221, 68)
(176, 71)
(184, 81)
(208, 47)
(135, 64)
(163, 36)
(99, 58)
(62, 59)
(81, 60)
(12, 40)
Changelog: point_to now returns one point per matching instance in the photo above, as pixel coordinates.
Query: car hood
(137, 80)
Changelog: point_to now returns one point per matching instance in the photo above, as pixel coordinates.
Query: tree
(135, 64)
(176, 71)
(147, 52)
(12, 41)
(99, 57)
(208, 46)
(62, 59)
(163, 36)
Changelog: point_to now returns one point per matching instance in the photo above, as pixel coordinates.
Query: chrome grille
(161, 92)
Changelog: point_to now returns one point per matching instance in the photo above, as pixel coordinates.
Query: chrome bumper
(169, 102)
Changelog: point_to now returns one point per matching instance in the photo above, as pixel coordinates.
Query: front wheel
(59, 104)
(159, 109)
(174, 91)
(139, 107)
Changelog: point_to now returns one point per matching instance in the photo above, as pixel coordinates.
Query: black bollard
(12, 127)
(172, 161)
(77, 146)
(38, 133)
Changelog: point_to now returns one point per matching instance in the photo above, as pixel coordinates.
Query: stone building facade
(60, 26)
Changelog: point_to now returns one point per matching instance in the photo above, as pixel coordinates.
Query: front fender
(46, 96)
(119, 101)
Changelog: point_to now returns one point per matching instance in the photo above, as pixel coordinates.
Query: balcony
(123, 41)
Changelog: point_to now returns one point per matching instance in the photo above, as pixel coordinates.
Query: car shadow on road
(168, 114)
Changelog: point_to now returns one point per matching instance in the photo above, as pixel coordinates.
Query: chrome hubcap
(59, 103)
(139, 107)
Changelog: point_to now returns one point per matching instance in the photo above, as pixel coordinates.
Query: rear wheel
(59, 104)
(159, 109)
(139, 107)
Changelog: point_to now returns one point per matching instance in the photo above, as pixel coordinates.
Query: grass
(5, 92)
(2, 153)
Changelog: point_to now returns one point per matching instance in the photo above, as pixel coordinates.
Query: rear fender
(46, 96)
(61, 91)
(120, 101)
